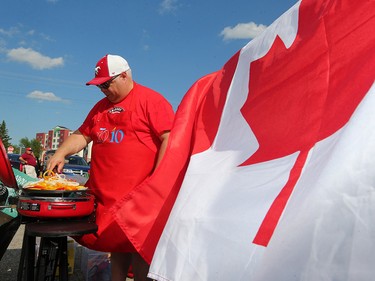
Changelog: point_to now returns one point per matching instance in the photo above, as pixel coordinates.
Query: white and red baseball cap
(107, 67)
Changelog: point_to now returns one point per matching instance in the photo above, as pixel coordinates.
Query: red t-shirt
(125, 137)
(31, 160)
(126, 140)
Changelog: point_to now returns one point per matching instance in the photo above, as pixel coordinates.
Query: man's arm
(74, 143)
(164, 142)
(23, 161)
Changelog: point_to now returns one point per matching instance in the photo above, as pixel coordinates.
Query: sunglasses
(106, 85)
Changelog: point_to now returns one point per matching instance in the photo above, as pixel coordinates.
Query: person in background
(39, 168)
(29, 162)
(129, 129)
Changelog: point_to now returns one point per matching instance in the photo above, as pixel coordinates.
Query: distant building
(42, 138)
(54, 137)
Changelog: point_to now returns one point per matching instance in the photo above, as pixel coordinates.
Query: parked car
(15, 161)
(76, 165)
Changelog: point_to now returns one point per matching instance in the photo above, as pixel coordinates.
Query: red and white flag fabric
(276, 155)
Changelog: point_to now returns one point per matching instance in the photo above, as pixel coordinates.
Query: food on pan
(52, 181)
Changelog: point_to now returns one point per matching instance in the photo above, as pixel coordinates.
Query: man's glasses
(106, 85)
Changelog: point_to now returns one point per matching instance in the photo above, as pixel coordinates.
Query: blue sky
(49, 48)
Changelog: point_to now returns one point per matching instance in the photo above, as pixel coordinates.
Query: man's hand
(56, 160)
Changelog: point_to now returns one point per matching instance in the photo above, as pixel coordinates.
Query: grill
(46, 203)
(54, 205)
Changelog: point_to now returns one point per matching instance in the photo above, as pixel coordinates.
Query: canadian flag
(273, 159)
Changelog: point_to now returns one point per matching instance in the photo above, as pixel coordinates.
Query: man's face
(116, 90)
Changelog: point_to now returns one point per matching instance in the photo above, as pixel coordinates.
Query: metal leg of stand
(27, 260)
(63, 258)
(30, 261)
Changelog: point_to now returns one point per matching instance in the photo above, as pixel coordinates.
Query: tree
(4, 134)
(37, 148)
(24, 143)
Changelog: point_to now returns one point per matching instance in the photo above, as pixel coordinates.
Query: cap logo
(97, 69)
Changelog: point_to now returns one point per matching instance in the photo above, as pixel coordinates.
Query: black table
(53, 248)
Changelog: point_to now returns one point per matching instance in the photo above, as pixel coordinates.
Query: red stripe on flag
(273, 215)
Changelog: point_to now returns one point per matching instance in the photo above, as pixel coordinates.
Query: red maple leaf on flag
(304, 94)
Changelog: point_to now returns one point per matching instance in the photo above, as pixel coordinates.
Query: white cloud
(167, 6)
(34, 58)
(10, 32)
(30, 32)
(46, 37)
(45, 96)
(242, 31)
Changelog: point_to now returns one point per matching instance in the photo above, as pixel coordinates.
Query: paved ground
(10, 260)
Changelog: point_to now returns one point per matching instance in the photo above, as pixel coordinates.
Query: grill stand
(53, 248)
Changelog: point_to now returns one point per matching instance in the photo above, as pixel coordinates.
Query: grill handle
(62, 206)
